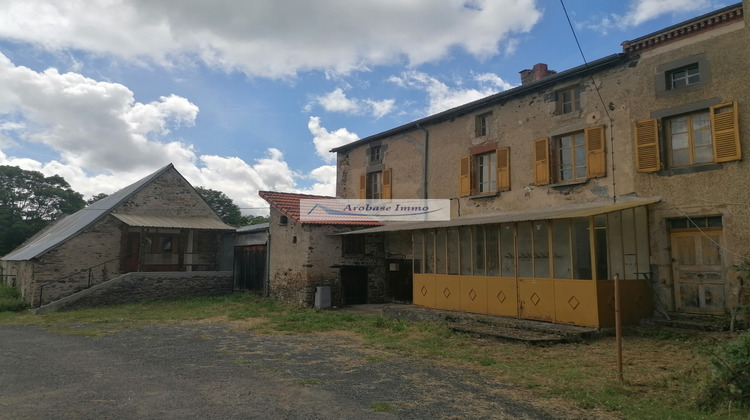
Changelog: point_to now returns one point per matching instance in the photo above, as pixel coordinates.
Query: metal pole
(618, 328)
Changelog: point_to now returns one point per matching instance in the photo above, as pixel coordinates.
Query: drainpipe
(424, 160)
(267, 288)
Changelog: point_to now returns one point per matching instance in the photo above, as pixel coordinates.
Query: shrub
(730, 375)
(10, 300)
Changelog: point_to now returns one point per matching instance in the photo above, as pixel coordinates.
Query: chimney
(538, 72)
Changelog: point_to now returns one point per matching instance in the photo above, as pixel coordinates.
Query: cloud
(100, 139)
(325, 140)
(272, 38)
(641, 11)
(337, 101)
(442, 96)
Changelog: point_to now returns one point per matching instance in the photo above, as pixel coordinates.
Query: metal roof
(547, 213)
(69, 226)
(175, 222)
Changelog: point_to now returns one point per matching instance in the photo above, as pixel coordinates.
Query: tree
(96, 198)
(222, 205)
(29, 201)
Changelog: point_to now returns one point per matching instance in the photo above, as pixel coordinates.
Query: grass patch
(10, 300)
(381, 407)
(665, 372)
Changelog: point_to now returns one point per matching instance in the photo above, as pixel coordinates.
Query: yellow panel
(536, 299)
(576, 302)
(473, 294)
(447, 292)
(635, 302)
(502, 296)
(424, 290)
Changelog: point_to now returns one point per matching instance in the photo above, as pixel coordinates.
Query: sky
(243, 96)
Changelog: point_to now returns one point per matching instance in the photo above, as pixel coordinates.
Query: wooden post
(618, 328)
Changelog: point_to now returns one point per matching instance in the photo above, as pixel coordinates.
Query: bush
(729, 383)
(10, 300)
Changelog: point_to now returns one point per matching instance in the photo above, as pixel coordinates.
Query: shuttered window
(376, 185)
(596, 165)
(647, 145)
(706, 136)
(484, 173)
(726, 133)
(541, 161)
(503, 169)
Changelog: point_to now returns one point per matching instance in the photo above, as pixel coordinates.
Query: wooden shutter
(541, 161)
(596, 164)
(386, 184)
(362, 186)
(503, 169)
(725, 132)
(464, 181)
(647, 146)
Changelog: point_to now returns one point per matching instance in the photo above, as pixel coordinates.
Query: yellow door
(698, 271)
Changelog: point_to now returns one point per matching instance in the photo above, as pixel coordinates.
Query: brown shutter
(503, 169)
(464, 181)
(596, 164)
(541, 161)
(647, 146)
(362, 186)
(725, 132)
(386, 184)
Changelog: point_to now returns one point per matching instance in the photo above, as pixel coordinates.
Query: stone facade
(305, 256)
(425, 158)
(99, 251)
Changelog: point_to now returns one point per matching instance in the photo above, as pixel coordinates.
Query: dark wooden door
(249, 267)
(398, 277)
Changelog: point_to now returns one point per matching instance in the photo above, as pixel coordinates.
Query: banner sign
(369, 211)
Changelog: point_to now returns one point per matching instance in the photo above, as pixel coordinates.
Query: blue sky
(245, 96)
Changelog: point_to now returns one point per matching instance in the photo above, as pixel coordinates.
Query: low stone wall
(137, 287)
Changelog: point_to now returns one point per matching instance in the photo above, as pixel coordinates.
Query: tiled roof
(288, 205)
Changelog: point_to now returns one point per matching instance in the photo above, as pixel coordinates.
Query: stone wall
(138, 287)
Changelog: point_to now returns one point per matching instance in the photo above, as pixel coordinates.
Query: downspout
(267, 287)
(424, 160)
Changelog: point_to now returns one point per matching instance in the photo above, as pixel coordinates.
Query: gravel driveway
(214, 371)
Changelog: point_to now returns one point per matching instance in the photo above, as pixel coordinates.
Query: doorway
(354, 285)
(698, 271)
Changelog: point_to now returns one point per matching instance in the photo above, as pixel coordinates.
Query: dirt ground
(214, 370)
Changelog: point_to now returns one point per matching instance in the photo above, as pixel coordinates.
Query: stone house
(627, 167)
(158, 224)
(306, 255)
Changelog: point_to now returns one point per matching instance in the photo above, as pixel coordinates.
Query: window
(695, 138)
(689, 139)
(486, 164)
(576, 156)
(482, 124)
(375, 185)
(484, 172)
(375, 155)
(568, 100)
(571, 157)
(353, 245)
(683, 76)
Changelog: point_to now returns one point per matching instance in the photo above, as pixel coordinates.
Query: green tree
(96, 198)
(29, 201)
(222, 205)
(253, 220)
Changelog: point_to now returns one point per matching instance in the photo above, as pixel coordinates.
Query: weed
(381, 407)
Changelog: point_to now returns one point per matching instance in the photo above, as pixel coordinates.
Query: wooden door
(698, 271)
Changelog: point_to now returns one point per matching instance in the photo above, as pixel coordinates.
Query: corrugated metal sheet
(562, 212)
(69, 226)
(176, 222)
